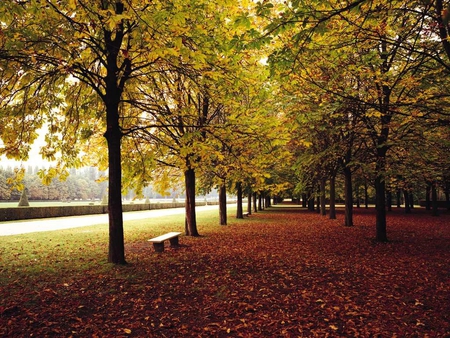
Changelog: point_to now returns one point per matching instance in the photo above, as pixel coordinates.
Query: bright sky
(34, 156)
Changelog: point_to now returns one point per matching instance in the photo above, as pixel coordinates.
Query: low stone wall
(440, 204)
(19, 213)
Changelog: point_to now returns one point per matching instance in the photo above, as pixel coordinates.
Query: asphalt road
(50, 224)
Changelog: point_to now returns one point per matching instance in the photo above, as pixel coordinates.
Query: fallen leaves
(279, 273)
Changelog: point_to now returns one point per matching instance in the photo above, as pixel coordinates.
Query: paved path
(50, 224)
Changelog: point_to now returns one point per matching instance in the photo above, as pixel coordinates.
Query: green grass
(75, 251)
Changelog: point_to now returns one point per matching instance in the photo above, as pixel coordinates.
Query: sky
(34, 156)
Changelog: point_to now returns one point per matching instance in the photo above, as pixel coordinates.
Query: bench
(158, 242)
(246, 214)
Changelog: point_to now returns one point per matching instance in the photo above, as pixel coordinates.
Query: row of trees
(168, 82)
(367, 85)
(256, 97)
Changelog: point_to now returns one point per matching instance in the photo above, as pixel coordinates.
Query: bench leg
(159, 247)
(174, 242)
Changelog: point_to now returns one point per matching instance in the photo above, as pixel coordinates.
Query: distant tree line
(82, 184)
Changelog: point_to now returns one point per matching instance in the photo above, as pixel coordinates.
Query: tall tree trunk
(114, 87)
(382, 148)
(333, 197)
(323, 210)
(443, 25)
(348, 195)
(434, 202)
(366, 194)
(407, 202)
(447, 195)
(191, 220)
(267, 203)
(358, 202)
(310, 201)
(304, 200)
(223, 204)
(260, 207)
(255, 202)
(399, 198)
(380, 192)
(116, 252)
(427, 197)
(389, 200)
(249, 202)
(318, 200)
(239, 211)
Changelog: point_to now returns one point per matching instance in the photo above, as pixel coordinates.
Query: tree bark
(304, 201)
(191, 220)
(366, 194)
(434, 202)
(249, 202)
(267, 202)
(348, 195)
(381, 150)
(255, 205)
(323, 210)
(443, 27)
(333, 197)
(113, 135)
(389, 200)
(239, 211)
(407, 202)
(223, 204)
(427, 197)
(380, 192)
(114, 87)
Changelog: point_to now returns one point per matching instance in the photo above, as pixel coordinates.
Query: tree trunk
(382, 148)
(323, 210)
(333, 197)
(239, 211)
(366, 194)
(223, 204)
(113, 135)
(249, 202)
(399, 198)
(260, 208)
(304, 201)
(447, 195)
(318, 202)
(380, 196)
(443, 25)
(358, 202)
(434, 202)
(310, 202)
(407, 202)
(255, 202)
(267, 202)
(191, 220)
(427, 197)
(389, 200)
(348, 195)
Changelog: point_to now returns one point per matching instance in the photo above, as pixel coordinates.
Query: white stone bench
(158, 242)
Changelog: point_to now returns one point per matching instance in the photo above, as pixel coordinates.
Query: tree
(90, 51)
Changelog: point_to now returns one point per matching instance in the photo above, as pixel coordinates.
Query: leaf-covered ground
(279, 273)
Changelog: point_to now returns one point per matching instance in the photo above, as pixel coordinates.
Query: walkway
(51, 224)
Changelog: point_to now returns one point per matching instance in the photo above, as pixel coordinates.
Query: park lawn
(278, 273)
